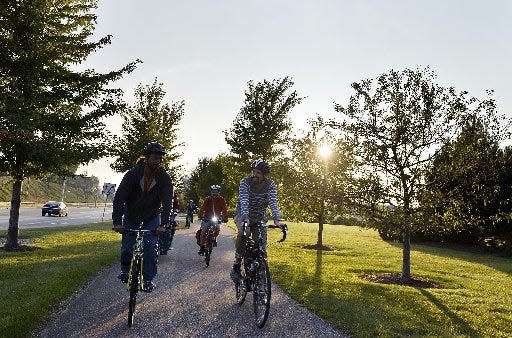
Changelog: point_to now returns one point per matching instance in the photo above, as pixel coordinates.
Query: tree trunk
(319, 241)
(406, 261)
(13, 230)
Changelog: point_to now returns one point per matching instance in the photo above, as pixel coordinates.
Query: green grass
(33, 283)
(474, 298)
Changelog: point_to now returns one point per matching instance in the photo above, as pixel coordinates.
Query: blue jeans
(150, 247)
(167, 240)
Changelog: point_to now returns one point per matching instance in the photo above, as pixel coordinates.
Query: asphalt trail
(190, 300)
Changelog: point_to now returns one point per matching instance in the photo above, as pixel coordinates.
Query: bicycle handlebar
(283, 227)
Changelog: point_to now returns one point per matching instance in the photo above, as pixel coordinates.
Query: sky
(205, 52)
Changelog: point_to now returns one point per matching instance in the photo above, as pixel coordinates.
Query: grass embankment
(33, 283)
(474, 297)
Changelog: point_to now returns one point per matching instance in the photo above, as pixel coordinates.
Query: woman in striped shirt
(256, 193)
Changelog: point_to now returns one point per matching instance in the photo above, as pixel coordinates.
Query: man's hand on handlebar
(118, 228)
(161, 229)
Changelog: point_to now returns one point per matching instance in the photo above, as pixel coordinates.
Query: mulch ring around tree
(24, 244)
(396, 278)
(317, 247)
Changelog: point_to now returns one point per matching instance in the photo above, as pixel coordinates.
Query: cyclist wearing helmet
(190, 209)
(256, 193)
(213, 205)
(144, 197)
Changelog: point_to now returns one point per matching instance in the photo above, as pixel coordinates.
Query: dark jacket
(129, 198)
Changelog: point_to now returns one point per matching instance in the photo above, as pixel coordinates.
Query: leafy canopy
(263, 122)
(50, 112)
(149, 120)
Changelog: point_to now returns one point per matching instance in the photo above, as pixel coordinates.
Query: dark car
(55, 208)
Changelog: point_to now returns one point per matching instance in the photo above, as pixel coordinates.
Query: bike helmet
(262, 165)
(154, 148)
(215, 187)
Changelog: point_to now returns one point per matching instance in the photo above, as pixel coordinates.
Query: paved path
(190, 301)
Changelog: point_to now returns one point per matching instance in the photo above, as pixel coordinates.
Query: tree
(395, 126)
(208, 172)
(150, 120)
(313, 188)
(468, 195)
(263, 123)
(50, 112)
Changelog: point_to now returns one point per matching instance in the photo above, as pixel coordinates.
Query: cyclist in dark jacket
(144, 192)
(190, 209)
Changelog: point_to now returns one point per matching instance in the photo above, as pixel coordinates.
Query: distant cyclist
(168, 235)
(213, 205)
(190, 209)
(256, 193)
(144, 192)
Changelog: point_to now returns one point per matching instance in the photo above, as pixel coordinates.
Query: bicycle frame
(137, 258)
(255, 274)
(136, 273)
(210, 239)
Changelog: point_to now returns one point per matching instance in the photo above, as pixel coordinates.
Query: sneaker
(123, 277)
(235, 273)
(148, 286)
(201, 251)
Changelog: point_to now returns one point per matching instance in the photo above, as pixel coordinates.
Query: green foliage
(34, 283)
(469, 188)
(262, 125)
(394, 125)
(208, 172)
(150, 120)
(51, 113)
(472, 300)
(313, 186)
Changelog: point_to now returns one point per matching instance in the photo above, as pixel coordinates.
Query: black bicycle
(135, 275)
(210, 238)
(255, 274)
(188, 220)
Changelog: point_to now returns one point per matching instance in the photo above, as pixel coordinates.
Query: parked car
(55, 208)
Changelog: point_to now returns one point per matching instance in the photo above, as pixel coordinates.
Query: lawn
(33, 283)
(474, 297)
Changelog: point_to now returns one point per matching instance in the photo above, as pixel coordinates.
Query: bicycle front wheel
(261, 293)
(241, 285)
(208, 250)
(133, 287)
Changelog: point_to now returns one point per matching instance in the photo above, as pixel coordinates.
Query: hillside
(77, 190)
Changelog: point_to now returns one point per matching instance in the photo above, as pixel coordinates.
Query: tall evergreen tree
(50, 112)
(150, 120)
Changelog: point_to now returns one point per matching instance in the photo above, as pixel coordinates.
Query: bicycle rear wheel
(133, 287)
(241, 285)
(261, 293)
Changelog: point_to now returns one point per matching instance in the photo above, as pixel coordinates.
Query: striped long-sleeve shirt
(253, 200)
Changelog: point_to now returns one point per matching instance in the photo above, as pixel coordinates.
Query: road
(190, 300)
(31, 217)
